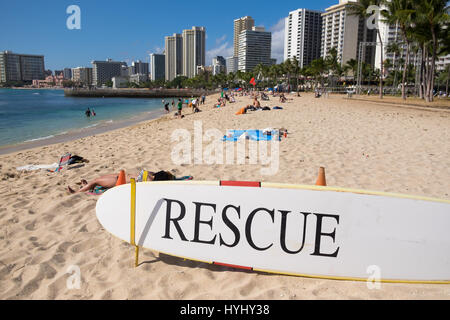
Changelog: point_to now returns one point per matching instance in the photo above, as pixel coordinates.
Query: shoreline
(80, 133)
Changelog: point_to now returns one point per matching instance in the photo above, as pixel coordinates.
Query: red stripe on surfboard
(232, 266)
(256, 184)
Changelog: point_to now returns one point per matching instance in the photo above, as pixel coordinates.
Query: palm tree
(400, 12)
(333, 64)
(296, 71)
(317, 68)
(352, 65)
(360, 9)
(430, 17)
(395, 49)
(287, 69)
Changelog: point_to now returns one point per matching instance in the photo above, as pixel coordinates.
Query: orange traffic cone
(121, 179)
(321, 181)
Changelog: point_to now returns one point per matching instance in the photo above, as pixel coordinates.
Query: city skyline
(131, 39)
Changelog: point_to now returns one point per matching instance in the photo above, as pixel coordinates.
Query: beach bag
(77, 159)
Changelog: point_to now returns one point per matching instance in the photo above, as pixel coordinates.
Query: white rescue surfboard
(300, 230)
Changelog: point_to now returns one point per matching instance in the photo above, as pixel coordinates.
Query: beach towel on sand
(65, 160)
(241, 111)
(33, 167)
(255, 135)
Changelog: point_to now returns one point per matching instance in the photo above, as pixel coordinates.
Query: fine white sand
(362, 145)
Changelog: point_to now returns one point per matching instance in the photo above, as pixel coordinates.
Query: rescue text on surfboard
(176, 220)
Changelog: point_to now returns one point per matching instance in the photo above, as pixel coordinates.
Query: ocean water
(31, 115)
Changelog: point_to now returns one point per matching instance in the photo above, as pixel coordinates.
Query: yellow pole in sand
(145, 177)
(133, 221)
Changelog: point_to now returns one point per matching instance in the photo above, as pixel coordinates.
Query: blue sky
(130, 30)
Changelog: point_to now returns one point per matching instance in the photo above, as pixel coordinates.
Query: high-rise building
(241, 24)
(232, 64)
(104, 71)
(218, 65)
(82, 75)
(303, 35)
(67, 73)
(138, 78)
(193, 50)
(442, 62)
(21, 67)
(174, 56)
(254, 48)
(139, 67)
(158, 66)
(345, 32)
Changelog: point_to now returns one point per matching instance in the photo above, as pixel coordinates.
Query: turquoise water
(30, 115)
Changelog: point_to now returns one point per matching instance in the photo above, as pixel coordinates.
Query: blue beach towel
(252, 134)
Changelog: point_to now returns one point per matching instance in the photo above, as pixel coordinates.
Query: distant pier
(136, 93)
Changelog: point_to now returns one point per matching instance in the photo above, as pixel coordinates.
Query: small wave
(92, 125)
(42, 138)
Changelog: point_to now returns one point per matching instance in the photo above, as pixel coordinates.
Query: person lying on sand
(110, 180)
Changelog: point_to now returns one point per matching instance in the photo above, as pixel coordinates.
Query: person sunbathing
(256, 103)
(110, 180)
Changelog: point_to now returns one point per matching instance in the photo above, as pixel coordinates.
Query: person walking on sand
(194, 104)
(180, 107)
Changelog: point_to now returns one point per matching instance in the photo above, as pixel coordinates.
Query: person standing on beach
(166, 107)
(173, 104)
(180, 107)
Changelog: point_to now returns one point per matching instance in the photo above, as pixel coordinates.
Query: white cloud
(221, 39)
(278, 40)
(225, 50)
(158, 50)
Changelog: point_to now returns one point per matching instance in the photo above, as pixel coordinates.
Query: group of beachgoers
(192, 103)
(90, 113)
(110, 180)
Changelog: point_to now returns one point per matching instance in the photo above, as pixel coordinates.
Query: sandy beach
(362, 144)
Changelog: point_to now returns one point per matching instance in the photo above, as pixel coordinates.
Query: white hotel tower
(302, 36)
(345, 32)
(193, 50)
